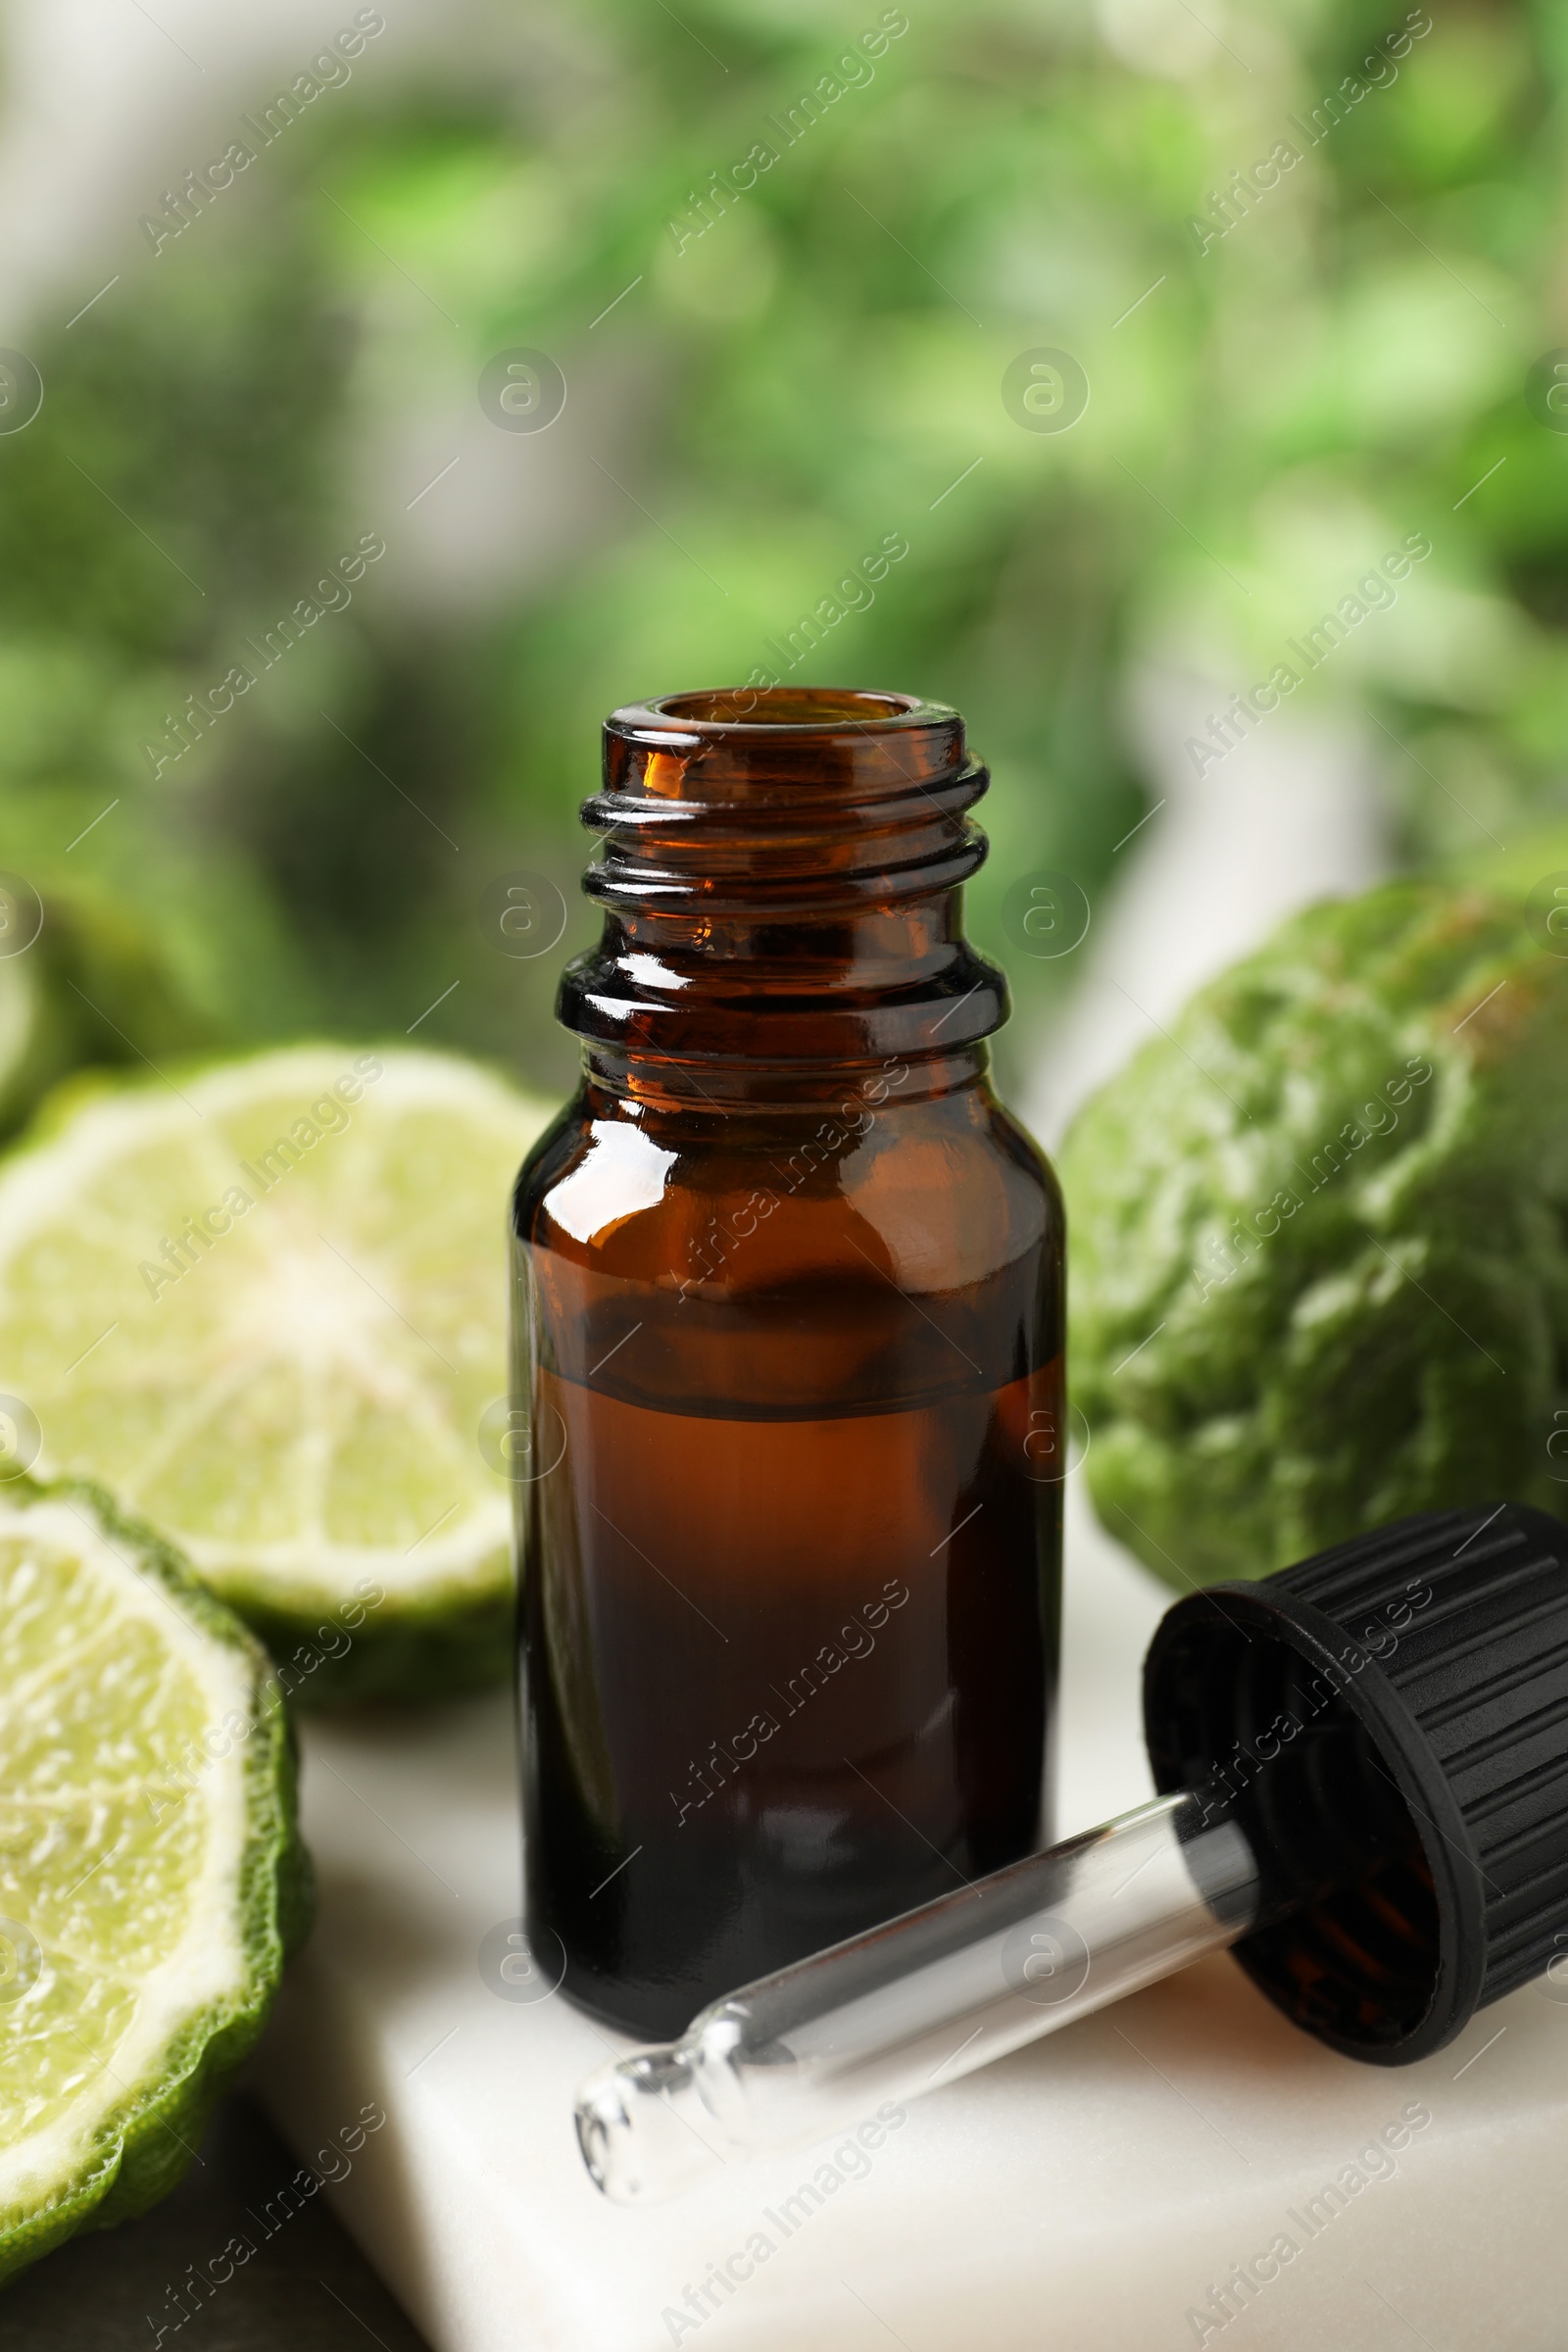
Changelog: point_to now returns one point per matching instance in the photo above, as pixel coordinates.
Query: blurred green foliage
(1270, 411)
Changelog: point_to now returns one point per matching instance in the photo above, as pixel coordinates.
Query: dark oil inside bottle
(791, 1668)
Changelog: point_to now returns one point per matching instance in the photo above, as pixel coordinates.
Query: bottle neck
(669, 1088)
(781, 882)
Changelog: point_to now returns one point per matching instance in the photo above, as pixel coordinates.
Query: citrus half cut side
(265, 1303)
(151, 1876)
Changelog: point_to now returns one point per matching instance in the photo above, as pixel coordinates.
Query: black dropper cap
(1388, 1722)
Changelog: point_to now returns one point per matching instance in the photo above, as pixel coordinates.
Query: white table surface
(1090, 2192)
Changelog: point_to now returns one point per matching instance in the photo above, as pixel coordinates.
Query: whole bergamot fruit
(1320, 1239)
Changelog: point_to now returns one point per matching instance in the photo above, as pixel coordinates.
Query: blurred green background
(750, 410)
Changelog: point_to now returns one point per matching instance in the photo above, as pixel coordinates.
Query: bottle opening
(838, 745)
(790, 706)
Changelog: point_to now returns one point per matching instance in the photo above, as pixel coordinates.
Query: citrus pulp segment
(265, 1303)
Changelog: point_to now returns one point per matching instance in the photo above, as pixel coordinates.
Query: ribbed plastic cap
(1402, 1698)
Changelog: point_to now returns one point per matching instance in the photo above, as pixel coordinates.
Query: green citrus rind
(131, 2148)
(1320, 1239)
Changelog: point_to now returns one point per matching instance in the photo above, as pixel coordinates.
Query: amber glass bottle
(788, 1320)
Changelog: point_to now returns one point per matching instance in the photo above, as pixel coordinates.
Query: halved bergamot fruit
(264, 1304)
(151, 1877)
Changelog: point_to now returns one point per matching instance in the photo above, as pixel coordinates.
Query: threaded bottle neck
(780, 878)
